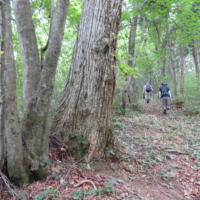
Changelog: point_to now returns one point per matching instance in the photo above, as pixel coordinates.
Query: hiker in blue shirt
(165, 95)
(147, 91)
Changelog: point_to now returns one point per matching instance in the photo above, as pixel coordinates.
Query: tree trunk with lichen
(15, 167)
(83, 118)
(32, 158)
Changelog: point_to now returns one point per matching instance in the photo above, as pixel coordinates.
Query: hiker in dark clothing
(165, 95)
(147, 91)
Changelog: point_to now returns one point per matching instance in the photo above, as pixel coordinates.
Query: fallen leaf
(185, 193)
(63, 149)
(62, 180)
(85, 187)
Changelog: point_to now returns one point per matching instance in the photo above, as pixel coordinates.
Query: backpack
(164, 91)
(148, 88)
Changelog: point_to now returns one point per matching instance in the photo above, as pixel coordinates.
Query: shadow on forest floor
(163, 153)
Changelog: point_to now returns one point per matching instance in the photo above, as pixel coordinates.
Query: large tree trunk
(84, 113)
(182, 70)
(12, 127)
(2, 89)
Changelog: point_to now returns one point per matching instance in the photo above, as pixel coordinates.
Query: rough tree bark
(83, 117)
(182, 70)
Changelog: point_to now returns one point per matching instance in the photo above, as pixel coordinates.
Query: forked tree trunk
(83, 117)
(38, 86)
(12, 127)
(35, 122)
(182, 70)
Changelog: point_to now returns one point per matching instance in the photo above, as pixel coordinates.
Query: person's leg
(167, 104)
(164, 105)
(149, 95)
(146, 96)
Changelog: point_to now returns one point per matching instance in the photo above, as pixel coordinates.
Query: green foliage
(80, 137)
(48, 193)
(110, 188)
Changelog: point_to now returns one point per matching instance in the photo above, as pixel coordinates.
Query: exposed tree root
(86, 181)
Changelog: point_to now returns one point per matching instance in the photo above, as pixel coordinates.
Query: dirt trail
(165, 151)
(163, 162)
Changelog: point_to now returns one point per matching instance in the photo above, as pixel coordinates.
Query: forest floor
(163, 162)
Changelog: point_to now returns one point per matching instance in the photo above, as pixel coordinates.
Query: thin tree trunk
(2, 89)
(182, 70)
(35, 122)
(14, 138)
(28, 47)
(172, 58)
(43, 49)
(163, 63)
(194, 53)
(131, 87)
(83, 117)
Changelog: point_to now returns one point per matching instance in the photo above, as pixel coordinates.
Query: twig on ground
(7, 183)
(48, 179)
(177, 152)
(86, 181)
(157, 183)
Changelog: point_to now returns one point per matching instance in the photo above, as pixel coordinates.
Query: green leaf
(38, 196)
(48, 162)
(112, 152)
(45, 192)
(93, 191)
(86, 159)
